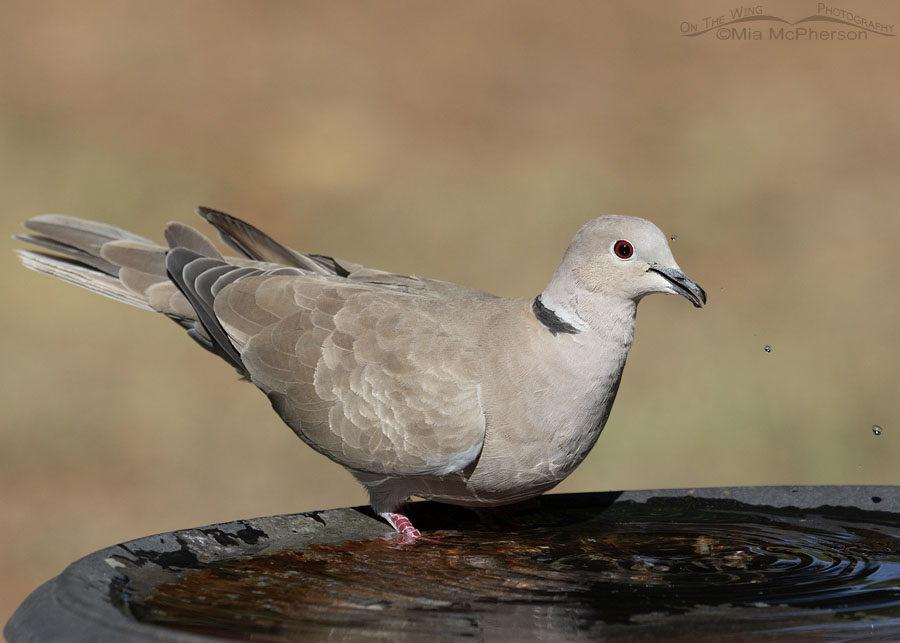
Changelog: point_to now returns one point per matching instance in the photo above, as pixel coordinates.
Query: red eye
(623, 249)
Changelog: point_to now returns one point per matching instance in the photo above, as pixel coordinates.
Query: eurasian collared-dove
(418, 387)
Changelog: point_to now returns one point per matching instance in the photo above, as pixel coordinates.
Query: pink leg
(401, 523)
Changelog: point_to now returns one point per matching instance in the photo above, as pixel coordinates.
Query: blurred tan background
(465, 141)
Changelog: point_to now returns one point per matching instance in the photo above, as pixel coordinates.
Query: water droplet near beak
(877, 430)
(673, 237)
(768, 348)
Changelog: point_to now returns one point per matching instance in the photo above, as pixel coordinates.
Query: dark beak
(683, 284)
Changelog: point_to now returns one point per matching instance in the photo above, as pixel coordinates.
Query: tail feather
(87, 236)
(96, 256)
(141, 265)
(180, 280)
(82, 275)
(144, 257)
(124, 267)
(98, 263)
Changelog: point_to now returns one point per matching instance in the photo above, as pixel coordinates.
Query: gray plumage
(418, 387)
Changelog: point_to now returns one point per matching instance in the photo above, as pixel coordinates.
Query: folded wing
(363, 374)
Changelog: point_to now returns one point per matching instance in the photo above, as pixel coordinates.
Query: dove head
(618, 257)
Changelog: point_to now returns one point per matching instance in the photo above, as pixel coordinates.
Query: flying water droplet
(673, 237)
(768, 348)
(877, 430)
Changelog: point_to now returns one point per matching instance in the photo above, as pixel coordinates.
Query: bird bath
(791, 563)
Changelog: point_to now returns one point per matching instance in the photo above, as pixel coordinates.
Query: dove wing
(365, 374)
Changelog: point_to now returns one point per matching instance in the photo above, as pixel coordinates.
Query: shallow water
(678, 569)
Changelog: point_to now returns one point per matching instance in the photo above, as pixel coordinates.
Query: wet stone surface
(680, 568)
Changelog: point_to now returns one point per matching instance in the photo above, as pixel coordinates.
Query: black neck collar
(550, 320)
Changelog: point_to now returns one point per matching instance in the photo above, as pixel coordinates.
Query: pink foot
(401, 523)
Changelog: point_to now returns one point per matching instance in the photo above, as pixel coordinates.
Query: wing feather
(365, 375)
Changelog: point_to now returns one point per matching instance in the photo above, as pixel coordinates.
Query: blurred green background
(465, 141)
